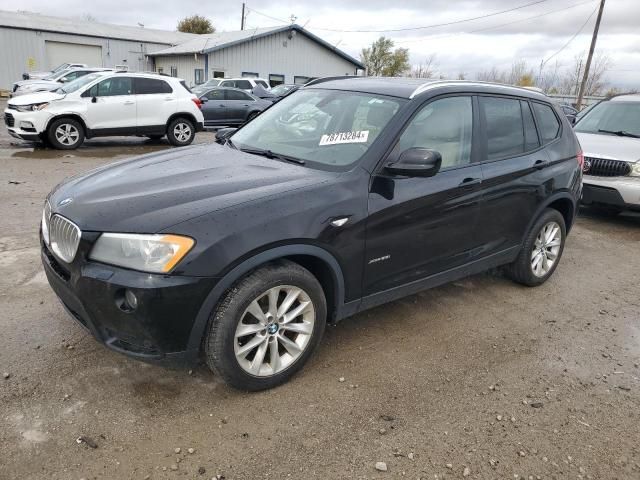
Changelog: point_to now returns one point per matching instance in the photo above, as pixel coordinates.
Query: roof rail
(328, 79)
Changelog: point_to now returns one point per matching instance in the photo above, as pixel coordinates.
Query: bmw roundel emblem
(65, 201)
(586, 166)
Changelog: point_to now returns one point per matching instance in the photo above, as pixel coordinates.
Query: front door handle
(540, 164)
(128, 103)
(470, 182)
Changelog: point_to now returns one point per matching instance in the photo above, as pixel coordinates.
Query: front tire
(181, 132)
(266, 327)
(541, 250)
(65, 134)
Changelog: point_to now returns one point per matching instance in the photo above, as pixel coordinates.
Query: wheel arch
(563, 202)
(321, 263)
(186, 115)
(74, 116)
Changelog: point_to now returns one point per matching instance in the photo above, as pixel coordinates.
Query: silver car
(609, 134)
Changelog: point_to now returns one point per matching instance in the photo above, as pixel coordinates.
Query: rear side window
(547, 122)
(147, 86)
(505, 128)
(243, 84)
(184, 85)
(531, 141)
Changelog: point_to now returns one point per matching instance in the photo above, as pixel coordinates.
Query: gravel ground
(480, 379)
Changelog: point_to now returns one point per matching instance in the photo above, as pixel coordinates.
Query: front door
(111, 106)
(419, 227)
(215, 109)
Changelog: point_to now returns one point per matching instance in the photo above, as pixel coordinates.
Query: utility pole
(591, 50)
(243, 17)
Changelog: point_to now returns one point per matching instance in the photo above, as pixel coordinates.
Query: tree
(426, 70)
(380, 60)
(196, 24)
(596, 83)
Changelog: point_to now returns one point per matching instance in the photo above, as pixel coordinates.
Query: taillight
(198, 102)
(580, 158)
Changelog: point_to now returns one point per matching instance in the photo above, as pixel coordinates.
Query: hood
(43, 86)
(38, 74)
(151, 193)
(36, 97)
(32, 81)
(611, 147)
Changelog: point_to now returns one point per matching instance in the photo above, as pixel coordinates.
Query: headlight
(46, 217)
(31, 108)
(147, 253)
(635, 169)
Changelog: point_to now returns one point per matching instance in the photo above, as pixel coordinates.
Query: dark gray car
(230, 106)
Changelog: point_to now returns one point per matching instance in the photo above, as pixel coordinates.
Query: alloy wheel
(546, 249)
(67, 134)
(274, 330)
(182, 132)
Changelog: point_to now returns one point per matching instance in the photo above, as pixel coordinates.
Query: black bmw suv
(347, 194)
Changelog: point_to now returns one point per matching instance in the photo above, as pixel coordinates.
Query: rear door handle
(540, 164)
(470, 182)
(129, 103)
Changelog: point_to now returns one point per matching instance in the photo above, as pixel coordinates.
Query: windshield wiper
(620, 133)
(230, 143)
(270, 154)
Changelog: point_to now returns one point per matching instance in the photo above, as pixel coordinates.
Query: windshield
(611, 117)
(78, 83)
(59, 68)
(328, 129)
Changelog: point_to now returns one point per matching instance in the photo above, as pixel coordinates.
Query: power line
(574, 36)
(435, 25)
(494, 27)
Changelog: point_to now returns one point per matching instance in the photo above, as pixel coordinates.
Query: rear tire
(65, 134)
(541, 250)
(181, 132)
(266, 327)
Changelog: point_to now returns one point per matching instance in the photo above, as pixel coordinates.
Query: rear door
(156, 102)
(111, 106)
(513, 164)
(238, 104)
(419, 227)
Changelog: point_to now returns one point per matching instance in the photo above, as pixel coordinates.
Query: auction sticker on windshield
(359, 136)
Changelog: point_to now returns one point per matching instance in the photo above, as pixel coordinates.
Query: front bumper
(158, 330)
(25, 125)
(619, 191)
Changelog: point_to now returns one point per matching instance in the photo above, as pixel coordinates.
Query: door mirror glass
(223, 134)
(416, 162)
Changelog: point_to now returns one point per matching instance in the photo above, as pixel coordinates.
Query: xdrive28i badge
(65, 201)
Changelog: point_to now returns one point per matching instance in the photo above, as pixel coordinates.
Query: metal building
(34, 42)
(288, 54)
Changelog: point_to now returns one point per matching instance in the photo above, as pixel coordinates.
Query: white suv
(246, 84)
(105, 104)
(609, 134)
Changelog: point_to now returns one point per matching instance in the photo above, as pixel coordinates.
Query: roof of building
(410, 87)
(78, 26)
(209, 43)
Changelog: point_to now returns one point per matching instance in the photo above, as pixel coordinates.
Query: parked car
(230, 106)
(243, 252)
(53, 82)
(569, 112)
(105, 104)
(274, 94)
(284, 89)
(610, 136)
(59, 68)
(246, 84)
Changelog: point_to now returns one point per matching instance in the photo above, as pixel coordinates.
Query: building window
(174, 71)
(160, 70)
(300, 80)
(250, 75)
(218, 74)
(276, 79)
(199, 76)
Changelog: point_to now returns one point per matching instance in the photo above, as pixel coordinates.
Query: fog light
(130, 300)
(26, 125)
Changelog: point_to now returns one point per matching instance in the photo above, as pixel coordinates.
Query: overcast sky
(534, 33)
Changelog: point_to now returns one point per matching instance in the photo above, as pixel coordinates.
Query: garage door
(60, 52)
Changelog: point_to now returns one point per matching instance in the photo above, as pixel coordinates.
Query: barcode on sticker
(359, 136)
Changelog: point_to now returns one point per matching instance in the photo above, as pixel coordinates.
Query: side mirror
(223, 134)
(416, 162)
(94, 99)
(204, 99)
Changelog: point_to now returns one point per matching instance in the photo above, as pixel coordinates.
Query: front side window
(263, 83)
(443, 125)
(148, 86)
(328, 129)
(215, 95)
(112, 87)
(243, 84)
(547, 122)
(504, 125)
(228, 83)
(79, 83)
(611, 118)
